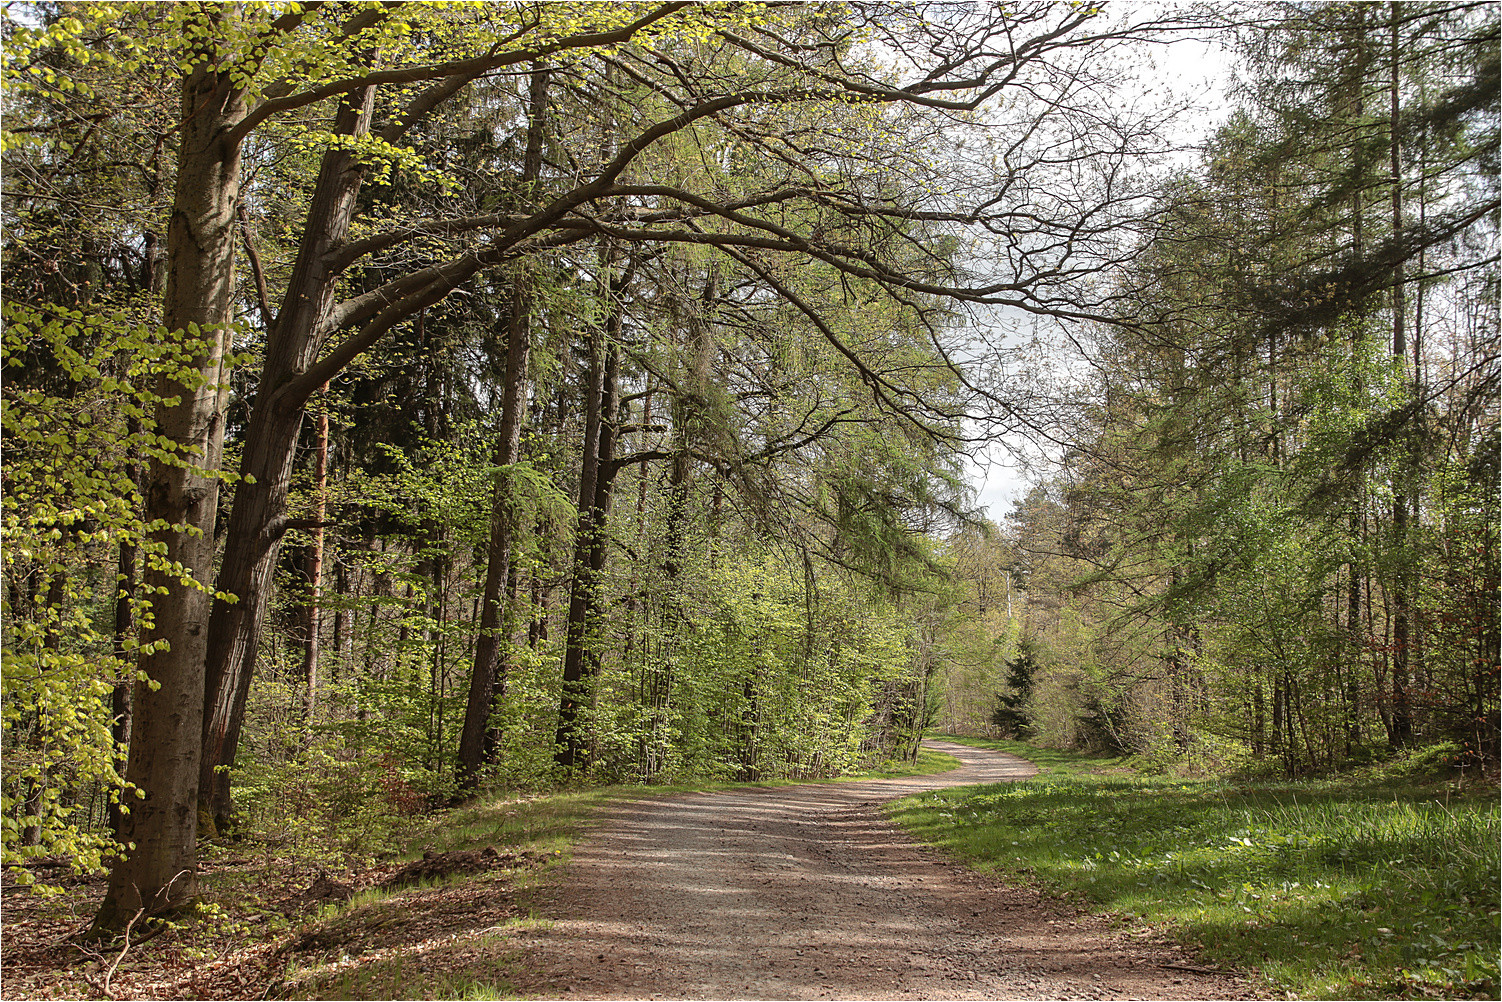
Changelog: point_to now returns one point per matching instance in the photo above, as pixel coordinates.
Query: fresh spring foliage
(610, 373)
(80, 388)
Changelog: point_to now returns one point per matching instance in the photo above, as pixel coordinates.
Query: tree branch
(463, 68)
(268, 319)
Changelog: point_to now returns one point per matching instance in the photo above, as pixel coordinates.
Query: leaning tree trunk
(258, 518)
(159, 872)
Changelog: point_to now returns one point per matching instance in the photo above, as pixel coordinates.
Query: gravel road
(808, 892)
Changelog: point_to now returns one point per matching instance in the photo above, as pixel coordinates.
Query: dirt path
(808, 892)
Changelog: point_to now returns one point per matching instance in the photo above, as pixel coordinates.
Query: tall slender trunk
(1259, 718)
(1402, 717)
(312, 615)
(549, 418)
(1353, 638)
(344, 621)
(490, 753)
(605, 475)
(435, 637)
(1355, 570)
(637, 649)
(750, 722)
(159, 872)
(120, 703)
(596, 478)
(487, 681)
(120, 696)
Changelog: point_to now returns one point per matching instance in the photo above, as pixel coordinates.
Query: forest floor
(787, 892)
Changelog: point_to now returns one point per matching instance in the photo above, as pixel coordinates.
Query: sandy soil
(808, 892)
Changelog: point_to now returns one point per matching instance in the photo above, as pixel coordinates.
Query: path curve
(808, 892)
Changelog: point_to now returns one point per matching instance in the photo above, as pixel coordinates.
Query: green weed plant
(1366, 888)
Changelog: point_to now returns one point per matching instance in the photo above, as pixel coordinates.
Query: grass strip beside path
(1348, 888)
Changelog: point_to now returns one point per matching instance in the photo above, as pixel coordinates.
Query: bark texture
(258, 519)
(159, 873)
(581, 662)
(487, 683)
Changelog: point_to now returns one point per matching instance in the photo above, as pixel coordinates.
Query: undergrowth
(1376, 886)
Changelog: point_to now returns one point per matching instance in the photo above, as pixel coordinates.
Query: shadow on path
(807, 892)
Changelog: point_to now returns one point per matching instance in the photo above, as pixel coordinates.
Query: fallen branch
(1197, 970)
(109, 974)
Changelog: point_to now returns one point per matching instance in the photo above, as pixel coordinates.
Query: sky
(1189, 69)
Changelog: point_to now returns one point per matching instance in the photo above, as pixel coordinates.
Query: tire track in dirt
(808, 892)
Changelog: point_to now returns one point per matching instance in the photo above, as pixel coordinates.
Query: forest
(405, 402)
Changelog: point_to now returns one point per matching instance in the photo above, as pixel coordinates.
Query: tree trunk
(257, 520)
(1402, 719)
(749, 766)
(159, 872)
(344, 621)
(597, 474)
(487, 683)
(537, 629)
(1259, 719)
(120, 696)
(312, 617)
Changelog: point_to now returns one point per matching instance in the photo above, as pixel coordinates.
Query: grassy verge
(1358, 887)
(929, 763)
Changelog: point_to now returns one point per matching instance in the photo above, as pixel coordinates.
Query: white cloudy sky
(1193, 70)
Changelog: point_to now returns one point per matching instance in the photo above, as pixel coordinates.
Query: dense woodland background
(545, 394)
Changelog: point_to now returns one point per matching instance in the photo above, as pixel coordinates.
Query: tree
(1011, 714)
(486, 682)
(241, 64)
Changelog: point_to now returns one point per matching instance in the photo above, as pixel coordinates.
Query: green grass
(929, 763)
(469, 966)
(544, 823)
(1376, 887)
